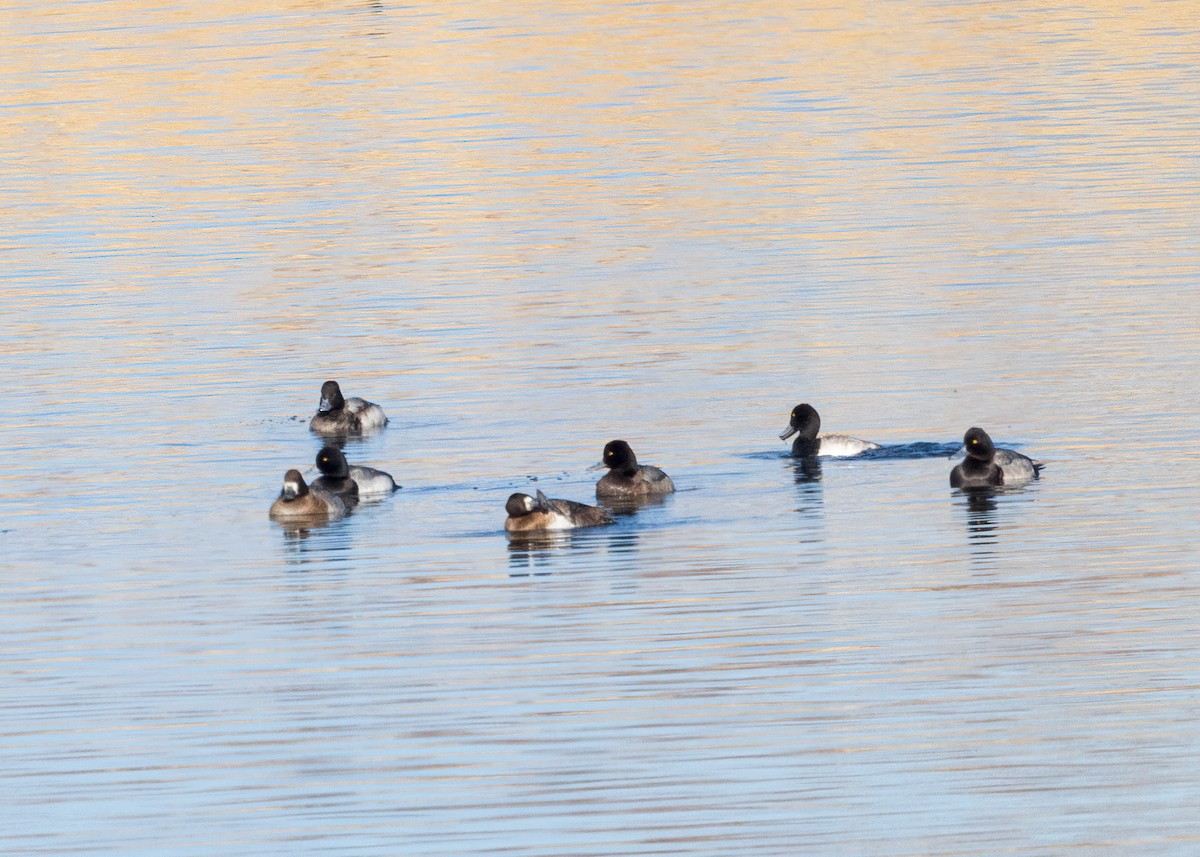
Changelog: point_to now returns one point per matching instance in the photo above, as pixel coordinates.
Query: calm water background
(527, 228)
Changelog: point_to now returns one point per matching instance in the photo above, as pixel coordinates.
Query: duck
(350, 481)
(805, 422)
(334, 478)
(988, 467)
(535, 514)
(298, 502)
(626, 478)
(338, 416)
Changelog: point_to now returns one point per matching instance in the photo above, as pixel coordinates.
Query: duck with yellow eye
(541, 514)
(351, 481)
(626, 478)
(805, 422)
(988, 467)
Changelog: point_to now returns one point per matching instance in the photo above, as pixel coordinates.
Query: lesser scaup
(338, 416)
(298, 502)
(627, 478)
(345, 479)
(805, 423)
(988, 467)
(530, 514)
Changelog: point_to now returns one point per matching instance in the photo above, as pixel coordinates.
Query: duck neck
(805, 447)
(977, 466)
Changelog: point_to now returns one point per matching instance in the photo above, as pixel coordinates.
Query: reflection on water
(981, 508)
(524, 229)
(809, 504)
(294, 530)
(542, 553)
(624, 506)
(807, 470)
(995, 518)
(313, 541)
(535, 555)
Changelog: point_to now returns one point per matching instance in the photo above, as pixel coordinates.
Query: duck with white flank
(340, 417)
(805, 422)
(537, 514)
(351, 480)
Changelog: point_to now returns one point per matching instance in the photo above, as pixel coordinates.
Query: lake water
(528, 228)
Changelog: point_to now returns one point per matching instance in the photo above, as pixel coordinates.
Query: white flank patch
(841, 446)
(370, 483)
(560, 522)
(372, 418)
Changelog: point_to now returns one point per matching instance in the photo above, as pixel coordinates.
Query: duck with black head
(539, 514)
(805, 422)
(340, 417)
(988, 467)
(351, 480)
(298, 502)
(626, 478)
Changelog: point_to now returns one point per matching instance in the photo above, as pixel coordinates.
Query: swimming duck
(627, 478)
(298, 502)
(346, 480)
(529, 514)
(805, 423)
(987, 467)
(338, 416)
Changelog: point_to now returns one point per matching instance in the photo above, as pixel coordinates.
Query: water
(527, 229)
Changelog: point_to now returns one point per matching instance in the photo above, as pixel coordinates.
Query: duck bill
(599, 465)
(788, 432)
(325, 407)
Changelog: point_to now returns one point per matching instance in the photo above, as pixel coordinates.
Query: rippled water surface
(528, 228)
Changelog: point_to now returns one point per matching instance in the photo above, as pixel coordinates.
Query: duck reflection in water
(810, 500)
(296, 532)
(807, 469)
(541, 553)
(532, 555)
(621, 507)
(809, 489)
(982, 508)
(315, 544)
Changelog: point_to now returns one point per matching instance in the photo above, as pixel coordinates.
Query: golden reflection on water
(163, 111)
(477, 149)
